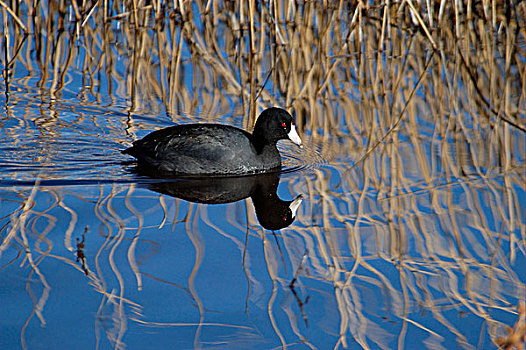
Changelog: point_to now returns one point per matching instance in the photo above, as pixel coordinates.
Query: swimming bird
(217, 149)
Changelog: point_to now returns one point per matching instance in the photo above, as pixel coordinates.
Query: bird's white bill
(295, 205)
(293, 136)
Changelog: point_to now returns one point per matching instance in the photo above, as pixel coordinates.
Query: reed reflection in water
(412, 227)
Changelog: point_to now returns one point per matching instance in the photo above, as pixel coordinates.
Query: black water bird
(216, 149)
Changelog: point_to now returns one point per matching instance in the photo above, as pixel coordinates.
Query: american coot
(215, 149)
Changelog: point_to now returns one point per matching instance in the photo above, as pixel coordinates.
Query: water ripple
(295, 159)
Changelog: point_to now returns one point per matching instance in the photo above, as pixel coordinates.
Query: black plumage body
(216, 149)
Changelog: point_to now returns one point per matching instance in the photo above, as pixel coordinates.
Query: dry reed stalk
(14, 15)
(7, 57)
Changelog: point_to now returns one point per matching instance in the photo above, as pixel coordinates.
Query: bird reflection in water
(271, 212)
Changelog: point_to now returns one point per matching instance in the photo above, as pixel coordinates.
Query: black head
(275, 124)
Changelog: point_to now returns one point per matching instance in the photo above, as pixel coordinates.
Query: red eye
(284, 125)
